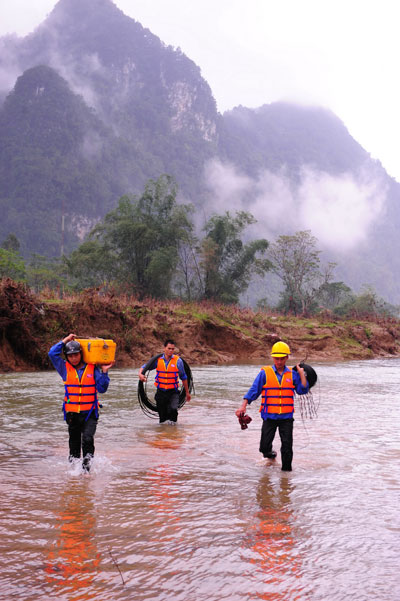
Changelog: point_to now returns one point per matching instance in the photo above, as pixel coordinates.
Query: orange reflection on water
(163, 492)
(168, 437)
(273, 540)
(72, 563)
(163, 487)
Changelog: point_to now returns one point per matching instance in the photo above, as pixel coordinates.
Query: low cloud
(92, 146)
(339, 210)
(9, 69)
(76, 72)
(227, 185)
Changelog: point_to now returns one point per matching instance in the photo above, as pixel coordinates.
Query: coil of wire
(148, 404)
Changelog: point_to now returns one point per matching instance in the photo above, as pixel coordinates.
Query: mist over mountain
(93, 105)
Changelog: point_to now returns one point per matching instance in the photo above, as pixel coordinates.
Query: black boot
(87, 462)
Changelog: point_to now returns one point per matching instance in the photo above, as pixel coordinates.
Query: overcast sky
(342, 54)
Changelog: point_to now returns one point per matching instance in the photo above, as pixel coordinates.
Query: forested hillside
(56, 157)
(284, 134)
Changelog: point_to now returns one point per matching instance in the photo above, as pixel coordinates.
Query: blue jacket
(260, 381)
(55, 353)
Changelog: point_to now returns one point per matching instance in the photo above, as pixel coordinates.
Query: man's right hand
(242, 409)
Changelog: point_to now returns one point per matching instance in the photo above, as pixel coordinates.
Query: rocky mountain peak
(82, 12)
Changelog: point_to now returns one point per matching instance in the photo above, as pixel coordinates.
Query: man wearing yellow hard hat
(277, 385)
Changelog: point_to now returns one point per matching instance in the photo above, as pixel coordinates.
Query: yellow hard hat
(280, 349)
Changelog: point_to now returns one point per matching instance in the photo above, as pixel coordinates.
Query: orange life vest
(80, 395)
(277, 397)
(167, 376)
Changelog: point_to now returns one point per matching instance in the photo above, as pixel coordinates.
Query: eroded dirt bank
(29, 325)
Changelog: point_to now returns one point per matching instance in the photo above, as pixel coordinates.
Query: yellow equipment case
(97, 350)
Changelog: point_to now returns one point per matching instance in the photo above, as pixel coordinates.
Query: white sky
(342, 54)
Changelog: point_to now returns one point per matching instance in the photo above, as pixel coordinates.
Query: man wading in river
(82, 383)
(277, 385)
(169, 368)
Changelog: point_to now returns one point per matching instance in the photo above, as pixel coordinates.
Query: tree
(296, 262)
(227, 263)
(43, 272)
(331, 295)
(366, 304)
(138, 241)
(11, 243)
(12, 265)
(91, 265)
(188, 278)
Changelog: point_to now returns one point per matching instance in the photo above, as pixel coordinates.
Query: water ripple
(193, 512)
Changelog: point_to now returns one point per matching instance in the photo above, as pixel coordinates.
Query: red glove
(244, 419)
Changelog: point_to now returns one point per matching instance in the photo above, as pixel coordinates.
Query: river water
(192, 512)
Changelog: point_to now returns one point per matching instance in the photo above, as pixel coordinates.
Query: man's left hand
(105, 368)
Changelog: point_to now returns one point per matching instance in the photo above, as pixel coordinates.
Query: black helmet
(73, 346)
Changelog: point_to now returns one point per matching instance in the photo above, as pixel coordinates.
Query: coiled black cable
(148, 405)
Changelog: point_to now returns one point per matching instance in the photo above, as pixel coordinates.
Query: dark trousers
(167, 404)
(268, 431)
(81, 433)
